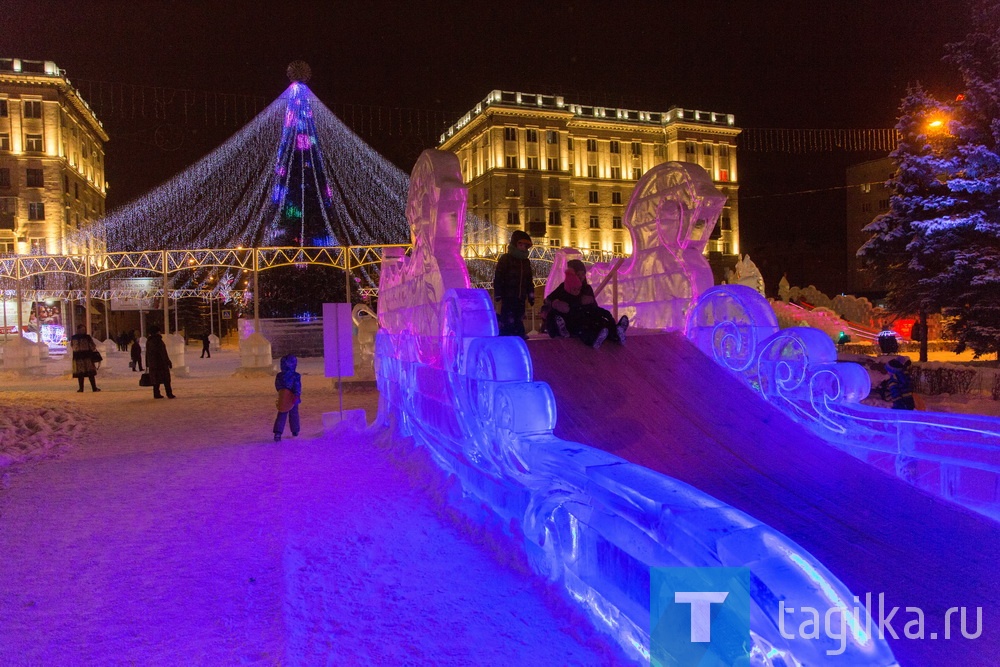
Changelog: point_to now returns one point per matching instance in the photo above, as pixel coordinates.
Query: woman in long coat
(84, 348)
(158, 363)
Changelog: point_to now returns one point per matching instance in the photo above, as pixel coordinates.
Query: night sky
(794, 64)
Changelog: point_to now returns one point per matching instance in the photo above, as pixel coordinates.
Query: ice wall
(670, 216)
(953, 456)
(591, 522)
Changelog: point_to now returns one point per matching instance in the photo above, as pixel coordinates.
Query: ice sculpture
(746, 273)
(953, 456)
(671, 214)
(589, 521)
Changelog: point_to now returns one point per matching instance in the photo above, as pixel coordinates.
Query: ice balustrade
(591, 522)
(951, 455)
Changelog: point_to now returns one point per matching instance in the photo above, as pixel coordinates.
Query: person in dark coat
(288, 384)
(135, 354)
(205, 342)
(158, 363)
(571, 310)
(84, 351)
(513, 283)
(898, 388)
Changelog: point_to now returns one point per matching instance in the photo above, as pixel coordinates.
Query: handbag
(96, 357)
(145, 380)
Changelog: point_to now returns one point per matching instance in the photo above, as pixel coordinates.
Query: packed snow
(150, 532)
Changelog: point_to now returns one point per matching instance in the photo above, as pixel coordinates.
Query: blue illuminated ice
(590, 522)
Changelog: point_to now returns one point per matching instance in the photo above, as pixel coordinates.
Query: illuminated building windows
(513, 219)
(510, 162)
(33, 143)
(636, 173)
(4, 141)
(552, 164)
(723, 174)
(531, 136)
(36, 211)
(591, 171)
(595, 223)
(532, 163)
(689, 147)
(616, 172)
(38, 246)
(636, 148)
(595, 245)
(551, 137)
(616, 222)
(555, 218)
(618, 248)
(513, 186)
(616, 198)
(592, 197)
(4, 177)
(510, 133)
(32, 108)
(36, 178)
(555, 243)
(591, 145)
(615, 147)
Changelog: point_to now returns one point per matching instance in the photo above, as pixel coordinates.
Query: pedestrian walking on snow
(288, 384)
(85, 357)
(158, 363)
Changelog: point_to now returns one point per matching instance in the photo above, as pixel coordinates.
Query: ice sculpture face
(671, 215)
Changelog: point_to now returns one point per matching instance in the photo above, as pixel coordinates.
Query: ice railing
(953, 456)
(591, 522)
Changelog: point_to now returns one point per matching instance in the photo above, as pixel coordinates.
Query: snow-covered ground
(142, 532)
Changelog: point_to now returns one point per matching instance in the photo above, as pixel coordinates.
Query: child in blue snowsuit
(288, 384)
(898, 388)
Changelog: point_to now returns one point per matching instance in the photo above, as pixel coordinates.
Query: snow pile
(31, 431)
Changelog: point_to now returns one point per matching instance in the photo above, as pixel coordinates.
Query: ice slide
(663, 404)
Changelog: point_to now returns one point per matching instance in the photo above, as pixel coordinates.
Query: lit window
(591, 145)
(4, 141)
(510, 162)
(551, 137)
(689, 147)
(595, 245)
(35, 178)
(532, 163)
(592, 196)
(32, 108)
(552, 164)
(616, 222)
(37, 246)
(594, 222)
(636, 173)
(555, 243)
(36, 211)
(555, 218)
(33, 143)
(618, 248)
(636, 148)
(591, 171)
(615, 147)
(513, 219)
(531, 136)
(616, 172)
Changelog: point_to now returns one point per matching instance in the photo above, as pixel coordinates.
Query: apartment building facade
(867, 198)
(564, 172)
(52, 179)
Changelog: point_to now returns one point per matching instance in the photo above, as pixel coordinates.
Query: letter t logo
(701, 611)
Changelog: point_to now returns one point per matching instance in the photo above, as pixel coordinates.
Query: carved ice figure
(746, 273)
(366, 321)
(670, 215)
(591, 522)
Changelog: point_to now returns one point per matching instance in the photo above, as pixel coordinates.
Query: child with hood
(288, 384)
(513, 283)
(572, 310)
(898, 388)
